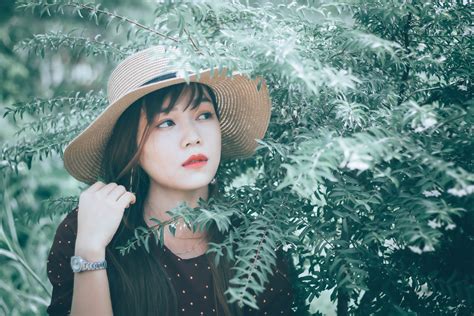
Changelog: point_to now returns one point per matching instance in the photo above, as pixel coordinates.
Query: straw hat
(244, 111)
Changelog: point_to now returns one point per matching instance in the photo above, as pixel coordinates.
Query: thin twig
(124, 19)
(138, 24)
(192, 41)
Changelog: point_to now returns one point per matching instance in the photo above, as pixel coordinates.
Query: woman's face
(178, 135)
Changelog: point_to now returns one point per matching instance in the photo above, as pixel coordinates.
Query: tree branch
(138, 24)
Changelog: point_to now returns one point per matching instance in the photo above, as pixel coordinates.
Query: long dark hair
(139, 285)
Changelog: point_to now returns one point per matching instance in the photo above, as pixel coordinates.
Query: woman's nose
(191, 136)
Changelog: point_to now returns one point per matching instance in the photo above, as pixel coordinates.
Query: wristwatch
(79, 264)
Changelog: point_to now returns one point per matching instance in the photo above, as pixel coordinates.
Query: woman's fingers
(96, 186)
(105, 190)
(126, 199)
(116, 192)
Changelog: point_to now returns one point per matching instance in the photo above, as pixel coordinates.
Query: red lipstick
(195, 161)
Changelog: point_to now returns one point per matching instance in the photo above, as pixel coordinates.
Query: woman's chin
(194, 184)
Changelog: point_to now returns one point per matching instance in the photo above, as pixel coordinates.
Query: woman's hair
(139, 284)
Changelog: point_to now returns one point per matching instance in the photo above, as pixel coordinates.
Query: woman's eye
(209, 114)
(169, 123)
(161, 124)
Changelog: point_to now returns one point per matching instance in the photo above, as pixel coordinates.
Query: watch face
(75, 263)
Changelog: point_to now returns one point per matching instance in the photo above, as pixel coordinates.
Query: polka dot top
(191, 279)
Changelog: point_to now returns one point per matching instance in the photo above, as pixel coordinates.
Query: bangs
(194, 100)
(153, 102)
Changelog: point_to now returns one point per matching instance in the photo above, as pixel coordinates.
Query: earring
(131, 181)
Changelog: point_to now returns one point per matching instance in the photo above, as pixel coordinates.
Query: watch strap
(89, 266)
(79, 264)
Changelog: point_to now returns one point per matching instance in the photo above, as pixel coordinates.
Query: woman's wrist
(89, 251)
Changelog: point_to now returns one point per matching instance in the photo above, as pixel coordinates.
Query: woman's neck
(162, 199)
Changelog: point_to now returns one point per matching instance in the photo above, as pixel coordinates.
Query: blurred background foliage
(366, 169)
(28, 223)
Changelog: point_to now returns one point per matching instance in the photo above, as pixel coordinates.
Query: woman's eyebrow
(204, 100)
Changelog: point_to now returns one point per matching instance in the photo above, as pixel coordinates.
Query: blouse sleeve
(278, 296)
(58, 266)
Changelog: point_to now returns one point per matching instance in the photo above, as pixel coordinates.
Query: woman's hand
(101, 209)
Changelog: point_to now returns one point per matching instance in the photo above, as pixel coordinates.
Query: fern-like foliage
(365, 174)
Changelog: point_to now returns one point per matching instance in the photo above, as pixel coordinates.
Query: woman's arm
(84, 293)
(91, 295)
(101, 209)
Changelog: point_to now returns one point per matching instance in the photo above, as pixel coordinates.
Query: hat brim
(244, 116)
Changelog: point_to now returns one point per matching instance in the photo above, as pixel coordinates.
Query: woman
(162, 139)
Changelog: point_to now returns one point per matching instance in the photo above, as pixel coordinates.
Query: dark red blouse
(191, 278)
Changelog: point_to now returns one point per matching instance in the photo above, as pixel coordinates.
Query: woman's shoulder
(278, 296)
(68, 226)
(280, 277)
(65, 236)
(63, 245)
(58, 268)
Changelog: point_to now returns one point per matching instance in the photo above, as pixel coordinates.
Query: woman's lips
(195, 165)
(195, 160)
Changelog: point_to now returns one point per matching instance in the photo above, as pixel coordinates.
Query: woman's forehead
(184, 101)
